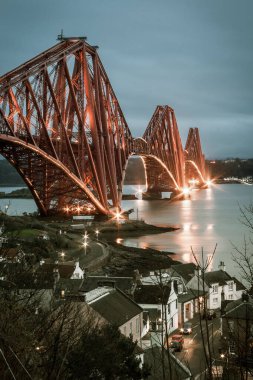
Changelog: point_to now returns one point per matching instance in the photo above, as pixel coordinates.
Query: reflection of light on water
(119, 240)
(187, 227)
(187, 257)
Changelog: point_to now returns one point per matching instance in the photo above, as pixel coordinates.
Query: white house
(160, 301)
(219, 286)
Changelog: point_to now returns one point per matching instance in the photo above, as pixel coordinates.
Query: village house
(160, 301)
(64, 269)
(218, 284)
(237, 326)
(115, 307)
(190, 301)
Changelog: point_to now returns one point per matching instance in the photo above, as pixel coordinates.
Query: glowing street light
(85, 236)
(186, 191)
(97, 232)
(85, 244)
(62, 254)
(208, 182)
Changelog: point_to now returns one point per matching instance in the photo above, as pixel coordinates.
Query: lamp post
(62, 254)
(97, 232)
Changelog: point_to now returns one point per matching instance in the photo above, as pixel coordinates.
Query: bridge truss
(63, 130)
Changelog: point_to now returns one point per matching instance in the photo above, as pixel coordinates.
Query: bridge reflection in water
(62, 128)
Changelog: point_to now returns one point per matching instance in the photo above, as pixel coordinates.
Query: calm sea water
(208, 218)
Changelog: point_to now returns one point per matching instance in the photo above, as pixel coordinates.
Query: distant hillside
(233, 167)
(8, 175)
(135, 174)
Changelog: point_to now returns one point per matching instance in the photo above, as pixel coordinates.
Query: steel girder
(194, 158)
(62, 128)
(165, 147)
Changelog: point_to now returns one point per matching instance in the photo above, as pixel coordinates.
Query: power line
(8, 365)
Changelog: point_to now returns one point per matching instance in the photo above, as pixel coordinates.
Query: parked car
(177, 338)
(175, 346)
(209, 314)
(187, 328)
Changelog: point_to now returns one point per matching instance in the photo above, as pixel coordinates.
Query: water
(210, 217)
(16, 206)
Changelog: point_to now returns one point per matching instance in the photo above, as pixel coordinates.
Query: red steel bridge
(62, 128)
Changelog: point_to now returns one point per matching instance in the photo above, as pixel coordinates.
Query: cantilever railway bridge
(62, 128)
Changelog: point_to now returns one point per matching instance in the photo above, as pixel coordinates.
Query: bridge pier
(151, 195)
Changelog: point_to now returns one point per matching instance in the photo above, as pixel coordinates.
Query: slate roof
(69, 285)
(217, 277)
(65, 269)
(123, 283)
(115, 307)
(153, 357)
(239, 309)
(190, 295)
(239, 285)
(152, 294)
(186, 271)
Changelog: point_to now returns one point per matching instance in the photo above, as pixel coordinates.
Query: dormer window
(230, 286)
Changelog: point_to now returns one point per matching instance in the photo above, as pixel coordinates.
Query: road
(192, 354)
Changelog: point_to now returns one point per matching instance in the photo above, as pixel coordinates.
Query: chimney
(137, 277)
(222, 266)
(56, 275)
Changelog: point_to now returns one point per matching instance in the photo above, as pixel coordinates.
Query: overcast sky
(194, 55)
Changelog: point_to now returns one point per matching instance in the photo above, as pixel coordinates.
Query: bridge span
(62, 128)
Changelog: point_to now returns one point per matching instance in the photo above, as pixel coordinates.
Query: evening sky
(194, 55)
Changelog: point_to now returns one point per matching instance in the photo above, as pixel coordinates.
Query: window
(230, 296)
(215, 300)
(215, 288)
(230, 286)
(169, 308)
(176, 304)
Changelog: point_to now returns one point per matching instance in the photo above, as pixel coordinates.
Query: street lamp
(62, 254)
(97, 232)
(85, 244)
(85, 236)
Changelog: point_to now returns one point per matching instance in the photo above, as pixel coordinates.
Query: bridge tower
(62, 128)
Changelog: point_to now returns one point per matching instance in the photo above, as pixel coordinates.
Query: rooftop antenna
(61, 37)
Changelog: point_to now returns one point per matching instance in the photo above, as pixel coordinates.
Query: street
(193, 355)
